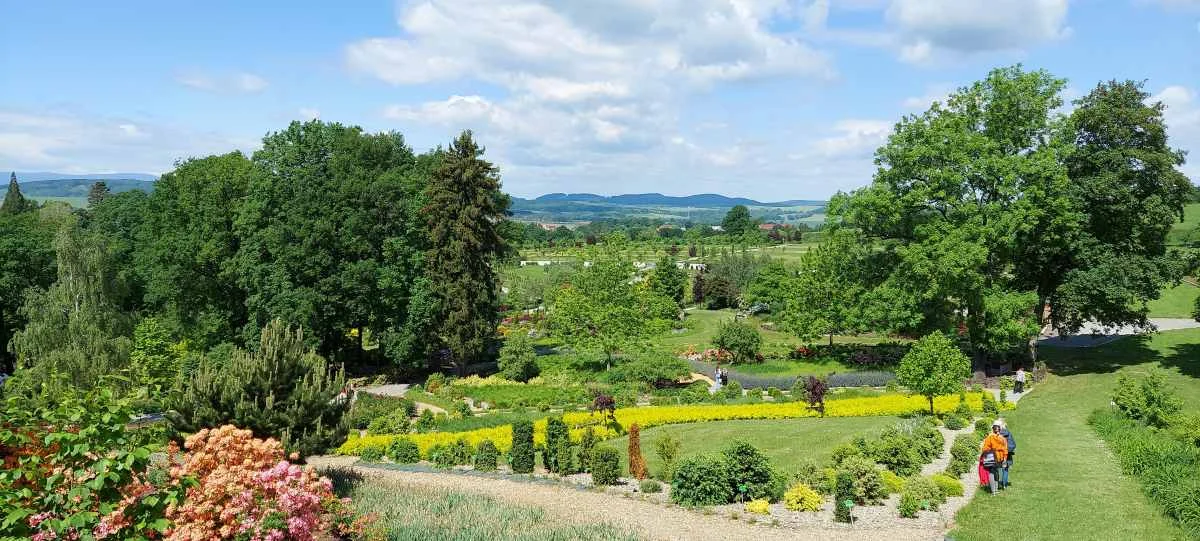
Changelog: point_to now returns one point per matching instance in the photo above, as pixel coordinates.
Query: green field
(789, 442)
(1181, 233)
(1065, 482)
(77, 202)
(1178, 301)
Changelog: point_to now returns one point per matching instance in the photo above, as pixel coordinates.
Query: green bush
(1147, 399)
(486, 456)
(859, 447)
(843, 495)
(819, 479)
(750, 474)
(649, 369)
(461, 452)
(372, 453)
(441, 455)
(462, 410)
(650, 486)
(426, 422)
(898, 452)
(921, 492)
(732, 391)
(701, 480)
(395, 422)
(954, 422)
(962, 409)
(984, 426)
(1186, 428)
(950, 486)
(868, 486)
(518, 360)
(989, 405)
(963, 454)
(367, 407)
(1165, 466)
(892, 482)
(556, 433)
(909, 505)
(403, 451)
(587, 444)
(667, 449)
(521, 456)
(606, 465)
(740, 339)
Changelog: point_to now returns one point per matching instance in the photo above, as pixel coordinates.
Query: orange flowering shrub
(246, 489)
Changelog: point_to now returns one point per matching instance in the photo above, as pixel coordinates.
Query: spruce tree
(97, 193)
(464, 209)
(283, 390)
(14, 201)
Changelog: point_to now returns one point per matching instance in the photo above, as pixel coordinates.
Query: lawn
(1181, 232)
(422, 514)
(1065, 482)
(1178, 301)
(789, 442)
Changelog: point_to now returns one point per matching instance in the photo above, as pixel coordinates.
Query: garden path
(654, 521)
(398, 389)
(1093, 334)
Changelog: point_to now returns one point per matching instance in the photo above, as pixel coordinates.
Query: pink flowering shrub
(246, 489)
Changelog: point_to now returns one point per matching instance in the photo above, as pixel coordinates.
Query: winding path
(399, 389)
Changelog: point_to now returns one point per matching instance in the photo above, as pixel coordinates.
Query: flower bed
(645, 417)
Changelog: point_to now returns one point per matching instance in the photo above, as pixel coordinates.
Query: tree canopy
(737, 221)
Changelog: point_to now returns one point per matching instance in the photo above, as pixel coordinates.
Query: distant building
(769, 227)
(717, 228)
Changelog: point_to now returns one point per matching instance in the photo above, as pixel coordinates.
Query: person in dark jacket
(1012, 449)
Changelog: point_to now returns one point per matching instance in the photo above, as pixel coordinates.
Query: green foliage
(606, 465)
(462, 451)
(771, 286)
(14, 200)
(650, 486)
(950, 486)
(283, 390)
(442, 455)
(740, 339)
(155, 358)
(372, 453)
(701, 480)
(1165, 466)
(732, 390)
(74, 463)
(934, 366)
(1147, 399)
(800, 497)
(521, 456)
(554, 457)
(587, 444)
(650, 369)
(738, 221)
(984, 425)
(963, 410)
(963, 454)
(920, 493)
(843, 496)
(954, 422)
(395, 422)
(750, 474)
(486, 456)
(403, 451)
(1186, 428)
(668, 280)
(892, 482)
(990, 407)
(426, 422)
(518, 361)
(26, 261)
(825, 298)
(868, 487)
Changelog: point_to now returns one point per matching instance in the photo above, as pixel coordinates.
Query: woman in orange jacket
(993, 454)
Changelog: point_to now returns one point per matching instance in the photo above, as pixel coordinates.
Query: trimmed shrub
(667, 449)
(650, 486)
(868, 486)
(372, 453)
(637, 464)
(521, 456)
(843, 496)
(606, 466)
(990, 407)
(701, 480)
(441, 455)
(587, 444)
(847, 450)
(892, 482)
(751, 476)
(963, 454)
(556, 433)
(899, 453)
(732, 390)
(954, 422)
(801, 497)
(486, 456)
(909, 506)
(462, 452)
(403, 451)
(395, 422)
(983, 426)
(921, 493)
(758, 507)
(950, 486)
(963, 409)
(425, 422)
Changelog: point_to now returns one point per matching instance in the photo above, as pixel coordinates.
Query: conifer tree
(637, 463)
(464, 209)
(14, 201)
(282, 390)
(97, 193)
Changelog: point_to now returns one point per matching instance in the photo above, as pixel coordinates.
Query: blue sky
(772, 99)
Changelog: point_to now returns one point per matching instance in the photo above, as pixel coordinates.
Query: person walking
(993, 454)
(1019, 380)
(1012, 449)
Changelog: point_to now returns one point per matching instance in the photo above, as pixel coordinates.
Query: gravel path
(651, 519)
(1093, 334)
(399, 389)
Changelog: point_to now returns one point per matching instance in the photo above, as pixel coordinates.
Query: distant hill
(660, 200)
(29, 176)
(78, 187)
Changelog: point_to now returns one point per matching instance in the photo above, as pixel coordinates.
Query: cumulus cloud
(1182, 116)
(926, 29)
(233, 83)
(77, 142)
(856, 138)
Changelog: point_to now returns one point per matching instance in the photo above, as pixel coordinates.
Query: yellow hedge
(649, 416)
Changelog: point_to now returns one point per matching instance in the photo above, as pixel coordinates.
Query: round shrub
(984, 425)
(892, 482)
(954, 422)
(899, 453)
(802, 498)
(403, 451)
(963, 410)
(373, 453)
(701, 480)
(461, 452)
(758, 507)
(606, 466)
(844, 492)
(868, 487)
(750, 472)
(950, 486)
(486, 456)
(963, 453)
(650, 486)
(521, 456)
(732, 390)
(441, 455)
(395, 422)
(909, 505)
(920, 493)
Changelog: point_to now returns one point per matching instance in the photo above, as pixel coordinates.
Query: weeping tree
(282, 390)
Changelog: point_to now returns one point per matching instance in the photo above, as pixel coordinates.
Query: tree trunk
(931, 411)
(831, 339)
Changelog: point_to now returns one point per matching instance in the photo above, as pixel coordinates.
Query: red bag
(983, 475)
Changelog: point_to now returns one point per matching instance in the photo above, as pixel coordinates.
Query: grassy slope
(1177, 301)
(1180, 232)
(788, 442)
(1064, 481)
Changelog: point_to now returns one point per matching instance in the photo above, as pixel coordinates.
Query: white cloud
(77, 142)
(1182, 116)
(234, 83)
(856, 138)
(925, 30)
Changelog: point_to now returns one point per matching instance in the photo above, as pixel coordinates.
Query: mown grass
(1181, 232)
(409, 512)
(1178, 301)
(1066, 483)
(788, 442)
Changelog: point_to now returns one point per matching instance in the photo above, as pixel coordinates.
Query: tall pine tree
(14, 202)
(464, 209)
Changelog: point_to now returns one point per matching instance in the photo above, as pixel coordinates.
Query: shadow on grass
(1128, 351)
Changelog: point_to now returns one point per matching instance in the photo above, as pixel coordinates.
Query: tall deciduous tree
(826, 296)
(26, 261)
(464, 208)
(933, 367)
(737, 221)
